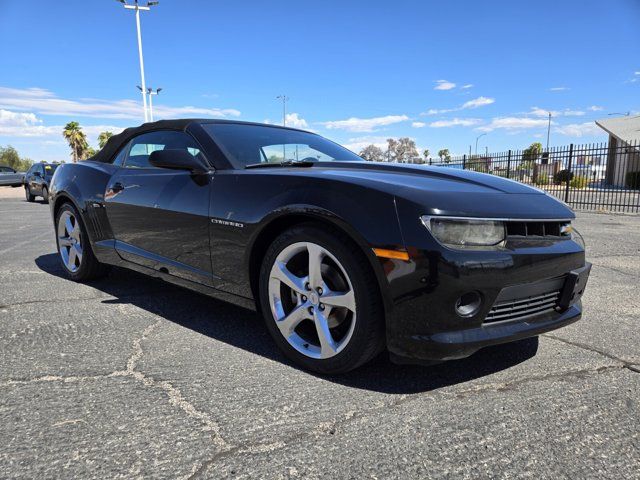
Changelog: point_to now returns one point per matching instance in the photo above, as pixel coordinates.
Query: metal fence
(603, 176)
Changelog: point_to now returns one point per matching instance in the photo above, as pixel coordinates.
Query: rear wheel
(320, 300)
(45, 194)
(28, 195)
(75, 251)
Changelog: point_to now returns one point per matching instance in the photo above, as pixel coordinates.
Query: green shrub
(579, 182)
(542, 180)
(563, 176)
(632, 180)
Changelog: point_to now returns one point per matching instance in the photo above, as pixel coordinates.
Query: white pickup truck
(10, 178)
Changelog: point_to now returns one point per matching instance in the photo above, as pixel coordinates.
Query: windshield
(49, 169)
(253, 144)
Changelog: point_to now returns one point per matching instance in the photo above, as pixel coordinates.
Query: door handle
(117, 187)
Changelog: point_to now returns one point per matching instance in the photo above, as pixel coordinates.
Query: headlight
(461, 233)
(568, 230)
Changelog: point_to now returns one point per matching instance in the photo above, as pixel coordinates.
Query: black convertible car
(342, 257)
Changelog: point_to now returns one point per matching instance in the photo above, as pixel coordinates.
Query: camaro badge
(228, 223)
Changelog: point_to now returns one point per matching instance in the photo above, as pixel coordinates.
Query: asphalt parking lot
(129, 377)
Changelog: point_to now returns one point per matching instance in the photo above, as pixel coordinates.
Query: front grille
(537, 229)
(523, 308)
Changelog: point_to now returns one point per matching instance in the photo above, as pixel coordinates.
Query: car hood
(447, 190)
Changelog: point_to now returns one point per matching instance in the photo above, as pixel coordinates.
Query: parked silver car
(10, 178)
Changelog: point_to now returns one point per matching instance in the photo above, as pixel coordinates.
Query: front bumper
(463, 343)
(423, 325)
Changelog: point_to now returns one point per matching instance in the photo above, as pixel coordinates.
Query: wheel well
(61, 200)
(275, 228)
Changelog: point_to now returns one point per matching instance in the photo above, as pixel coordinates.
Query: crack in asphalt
(617, 270)
(332, 427)
(173, 393)
(592, 349)
(26, 242)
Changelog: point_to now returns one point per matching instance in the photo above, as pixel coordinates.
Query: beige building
(624, 148)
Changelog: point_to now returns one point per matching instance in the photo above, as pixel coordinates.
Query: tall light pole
(151, 92)
(284, 99)
(478, 138)
(548, 131)
(137, 8)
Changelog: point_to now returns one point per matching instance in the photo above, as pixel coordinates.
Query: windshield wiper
(286, 163)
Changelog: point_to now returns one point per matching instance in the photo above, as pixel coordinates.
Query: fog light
(468, 304)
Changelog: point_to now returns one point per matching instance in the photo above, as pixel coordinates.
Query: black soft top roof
(115, 142)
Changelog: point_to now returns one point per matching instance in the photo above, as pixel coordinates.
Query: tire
(80, 265)
(355, 332)
(45, 194)
(28, 195)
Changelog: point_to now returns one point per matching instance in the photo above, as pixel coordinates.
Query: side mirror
(37, 174)
(177, 160)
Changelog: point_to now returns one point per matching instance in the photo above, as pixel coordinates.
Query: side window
(119, 160)
(143, 145)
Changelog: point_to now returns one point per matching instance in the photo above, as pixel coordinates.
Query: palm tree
(103, 137)
(77, 140)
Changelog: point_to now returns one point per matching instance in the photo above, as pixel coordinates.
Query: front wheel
(75, 251)
(45, 194)
(320, 300)
(28, 195)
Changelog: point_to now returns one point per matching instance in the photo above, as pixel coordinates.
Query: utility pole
(284, 99)
(478, 138)
(548, 131)
(137, 8)
(151, 92)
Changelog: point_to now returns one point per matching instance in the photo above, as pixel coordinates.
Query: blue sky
(358, 72)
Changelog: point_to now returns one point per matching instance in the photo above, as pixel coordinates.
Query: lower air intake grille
(524, 307)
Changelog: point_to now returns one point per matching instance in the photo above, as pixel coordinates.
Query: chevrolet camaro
(343, 258)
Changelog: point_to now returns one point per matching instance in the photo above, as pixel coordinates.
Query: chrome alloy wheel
(69, 241)
(312, 300)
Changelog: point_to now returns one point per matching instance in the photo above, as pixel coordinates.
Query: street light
(284, 99)
(478, 138)
(548, 131)
(137, 8)
(151, 93)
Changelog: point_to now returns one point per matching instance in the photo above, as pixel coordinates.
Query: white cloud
(355, 124)
(44, 102)
(513, 123)
(477, 102)
(294, 120)
(595, 108)
(19, 124)
(541, 112)
(579, 129)
(456, 122)
(418, 124)
(444, 85)
(358, 143)
(558, 89)
(468, 85)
